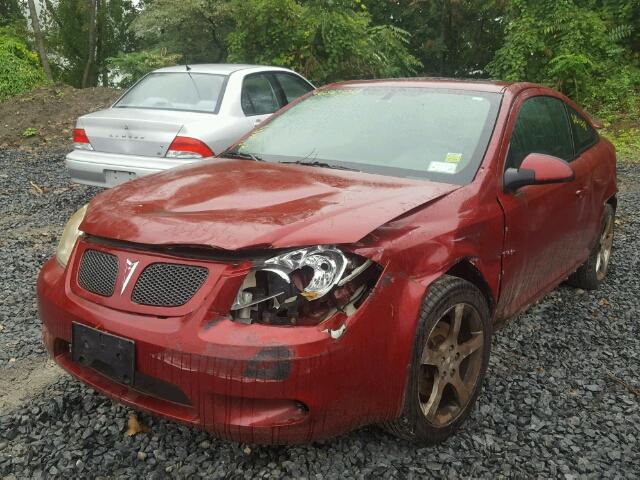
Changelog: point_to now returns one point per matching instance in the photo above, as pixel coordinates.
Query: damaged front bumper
(253, 383)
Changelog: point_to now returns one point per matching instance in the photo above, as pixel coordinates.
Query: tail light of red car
(187, 147)
(80, 140)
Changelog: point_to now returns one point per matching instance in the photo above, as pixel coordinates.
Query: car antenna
(185, 64)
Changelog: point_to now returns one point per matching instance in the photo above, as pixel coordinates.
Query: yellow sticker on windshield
(453, 158)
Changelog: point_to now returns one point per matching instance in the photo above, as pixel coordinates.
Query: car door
(259, 98)
(594, 172)
(543, 223)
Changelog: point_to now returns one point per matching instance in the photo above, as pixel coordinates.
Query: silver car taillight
(80, 140)
(187, 147)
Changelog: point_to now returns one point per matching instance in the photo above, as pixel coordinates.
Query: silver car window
(292, 86)
(199, 92)
(258, 97)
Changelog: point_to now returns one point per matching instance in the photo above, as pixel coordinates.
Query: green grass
(29, 132)
(627, 143)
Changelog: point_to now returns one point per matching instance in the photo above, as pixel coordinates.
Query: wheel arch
(466, 270)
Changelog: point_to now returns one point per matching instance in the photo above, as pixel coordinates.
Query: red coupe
(344, 264)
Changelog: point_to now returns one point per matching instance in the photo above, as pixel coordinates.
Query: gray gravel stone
(550, 407)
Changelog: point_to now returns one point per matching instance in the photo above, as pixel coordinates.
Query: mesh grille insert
(168, 284)
(98, 272)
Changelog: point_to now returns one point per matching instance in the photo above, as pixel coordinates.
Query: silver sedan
(177, 115)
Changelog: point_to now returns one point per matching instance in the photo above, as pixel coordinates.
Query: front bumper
(93, 168)
(251, 383)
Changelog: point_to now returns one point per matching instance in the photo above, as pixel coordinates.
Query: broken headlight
(304, 287)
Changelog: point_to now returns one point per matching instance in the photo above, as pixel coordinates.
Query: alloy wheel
(604, 254)
(451, 363)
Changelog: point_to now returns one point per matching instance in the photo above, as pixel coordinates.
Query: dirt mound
(43, 119)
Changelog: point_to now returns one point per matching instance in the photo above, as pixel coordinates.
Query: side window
(292, 86)
(584, 135)
(258, 97)
(541, 127)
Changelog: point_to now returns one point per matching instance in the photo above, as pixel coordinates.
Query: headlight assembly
(304, 286)
(69, 236)
(315, 270)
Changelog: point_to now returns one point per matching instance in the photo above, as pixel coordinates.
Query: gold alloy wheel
(450, 364)
(604, 254)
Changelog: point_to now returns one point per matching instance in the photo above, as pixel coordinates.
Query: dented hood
(234, 204)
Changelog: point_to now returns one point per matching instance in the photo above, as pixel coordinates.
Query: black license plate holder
(112, 356)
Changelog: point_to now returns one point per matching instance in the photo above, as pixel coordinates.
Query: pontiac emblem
(128, 272)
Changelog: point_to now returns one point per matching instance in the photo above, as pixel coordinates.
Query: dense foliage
(20, 69)
(324, 41)
(572, 46)
(68, 26)
(590, 49)
(127, 68)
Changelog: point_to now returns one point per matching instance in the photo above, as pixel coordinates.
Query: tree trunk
(92, 43)
(99, 67)
(37, 33)
(443, 28)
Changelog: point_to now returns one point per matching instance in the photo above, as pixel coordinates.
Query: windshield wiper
(244, 156)
(316, 163)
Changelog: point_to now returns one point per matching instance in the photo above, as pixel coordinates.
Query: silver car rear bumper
(95, 168)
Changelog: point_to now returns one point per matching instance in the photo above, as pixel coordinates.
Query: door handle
(581, 192)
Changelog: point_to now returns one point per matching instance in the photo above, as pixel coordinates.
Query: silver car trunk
(134, 131)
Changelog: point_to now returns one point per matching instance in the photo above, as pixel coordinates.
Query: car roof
(219, 68)
(495, 86)
(478, 85)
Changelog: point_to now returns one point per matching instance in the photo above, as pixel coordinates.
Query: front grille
(168, 284)
(98, 272)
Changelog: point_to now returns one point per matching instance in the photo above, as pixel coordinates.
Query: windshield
(415, 132)
(198, 92)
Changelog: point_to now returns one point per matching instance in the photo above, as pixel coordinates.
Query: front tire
(450, 359)
(592, 272)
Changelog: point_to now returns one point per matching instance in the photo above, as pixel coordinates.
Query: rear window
(198, 92)
(584, 134)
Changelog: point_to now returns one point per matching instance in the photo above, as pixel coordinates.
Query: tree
(10, 12)
(195, 29)
(92, 43)
(323, 41)
(69, 31)
(572, 46)
(454, 38)
(37, 33)
(128, 68)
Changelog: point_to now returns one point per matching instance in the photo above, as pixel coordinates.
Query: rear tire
(592, 272)
(450, 358)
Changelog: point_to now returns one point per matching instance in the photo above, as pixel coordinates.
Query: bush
(569, 46)
(128, 68)
(324, 41)
(20, 69)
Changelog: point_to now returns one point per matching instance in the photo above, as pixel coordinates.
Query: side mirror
(538, 169)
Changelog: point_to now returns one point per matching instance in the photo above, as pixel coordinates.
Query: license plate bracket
(112, 356)
(118, 177)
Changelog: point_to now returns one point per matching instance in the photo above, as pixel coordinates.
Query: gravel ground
(557, 402)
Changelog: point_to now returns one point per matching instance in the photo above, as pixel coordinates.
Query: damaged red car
(344, 264)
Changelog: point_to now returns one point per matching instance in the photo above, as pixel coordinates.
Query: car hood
(235, 204)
